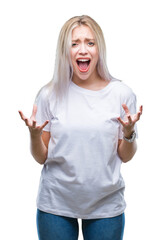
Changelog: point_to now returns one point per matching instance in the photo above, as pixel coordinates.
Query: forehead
(82, 31)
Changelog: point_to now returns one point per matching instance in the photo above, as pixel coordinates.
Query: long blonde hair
(63, 70)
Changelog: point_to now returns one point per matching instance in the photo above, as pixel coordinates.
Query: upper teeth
(83, 60)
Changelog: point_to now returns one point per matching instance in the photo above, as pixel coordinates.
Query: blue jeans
(54, 227)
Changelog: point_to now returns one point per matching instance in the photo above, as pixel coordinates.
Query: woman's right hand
(31, 122)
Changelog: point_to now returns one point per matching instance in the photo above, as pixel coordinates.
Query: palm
(129, 122)
(31, 122)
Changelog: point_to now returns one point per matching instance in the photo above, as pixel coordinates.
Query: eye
(74, 44)
(91, 44)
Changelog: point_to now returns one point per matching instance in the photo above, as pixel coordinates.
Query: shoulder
(123, 90)
(42, 95)
(46, 99)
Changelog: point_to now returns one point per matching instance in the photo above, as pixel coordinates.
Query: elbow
(41, 163)
(128, 155)
(126, 159)
(40, 159)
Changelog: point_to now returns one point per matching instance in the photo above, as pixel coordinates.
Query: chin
(82, 76)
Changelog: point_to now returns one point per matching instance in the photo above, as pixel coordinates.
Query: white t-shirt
(81, 176)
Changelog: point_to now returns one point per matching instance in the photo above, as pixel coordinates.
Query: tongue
(83, 65)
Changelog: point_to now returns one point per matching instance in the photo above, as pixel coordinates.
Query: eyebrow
(87, 39)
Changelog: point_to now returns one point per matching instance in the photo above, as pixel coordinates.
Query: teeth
(83, 60)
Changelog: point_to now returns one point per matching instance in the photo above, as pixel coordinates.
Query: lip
(83, 58)
(83, 71)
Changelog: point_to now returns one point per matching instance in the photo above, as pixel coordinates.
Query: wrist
(130, 138)
(36, 135)
(127, 134)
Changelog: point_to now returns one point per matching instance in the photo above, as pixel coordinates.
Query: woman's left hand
(128, 124)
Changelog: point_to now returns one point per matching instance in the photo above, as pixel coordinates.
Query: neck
(93, 80)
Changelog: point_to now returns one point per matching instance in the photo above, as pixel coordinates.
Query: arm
(39, 139)
(39, 146)
(127, 150)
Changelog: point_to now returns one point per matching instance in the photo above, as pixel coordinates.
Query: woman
(83, 126)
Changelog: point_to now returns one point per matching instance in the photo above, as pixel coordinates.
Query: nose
(82, 49)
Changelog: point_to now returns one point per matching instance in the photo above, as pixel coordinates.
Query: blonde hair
(63, 70)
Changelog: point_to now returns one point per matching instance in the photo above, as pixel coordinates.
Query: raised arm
(39, 139)
(127, 150)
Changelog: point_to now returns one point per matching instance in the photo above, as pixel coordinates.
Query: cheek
(72, 55)
(95, 55)
(95, 60)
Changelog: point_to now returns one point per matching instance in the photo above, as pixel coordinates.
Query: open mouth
(83, 64)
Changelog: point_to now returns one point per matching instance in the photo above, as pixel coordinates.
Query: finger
(44, 124)
(34, 111)
(137, 117)
(22, 115)
(126, 109)
(141, 109)
(34, 124)
(129, 119)
(121, 121)
(27, 122)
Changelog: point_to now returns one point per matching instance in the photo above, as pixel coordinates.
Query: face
(84, 54)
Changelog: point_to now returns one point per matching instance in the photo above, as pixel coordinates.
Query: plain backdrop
(29, 31)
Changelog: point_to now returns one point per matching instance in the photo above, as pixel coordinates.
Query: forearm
(38, 149)
(127, 150)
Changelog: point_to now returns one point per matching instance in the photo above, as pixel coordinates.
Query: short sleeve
(131, 102)
(43, 111)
